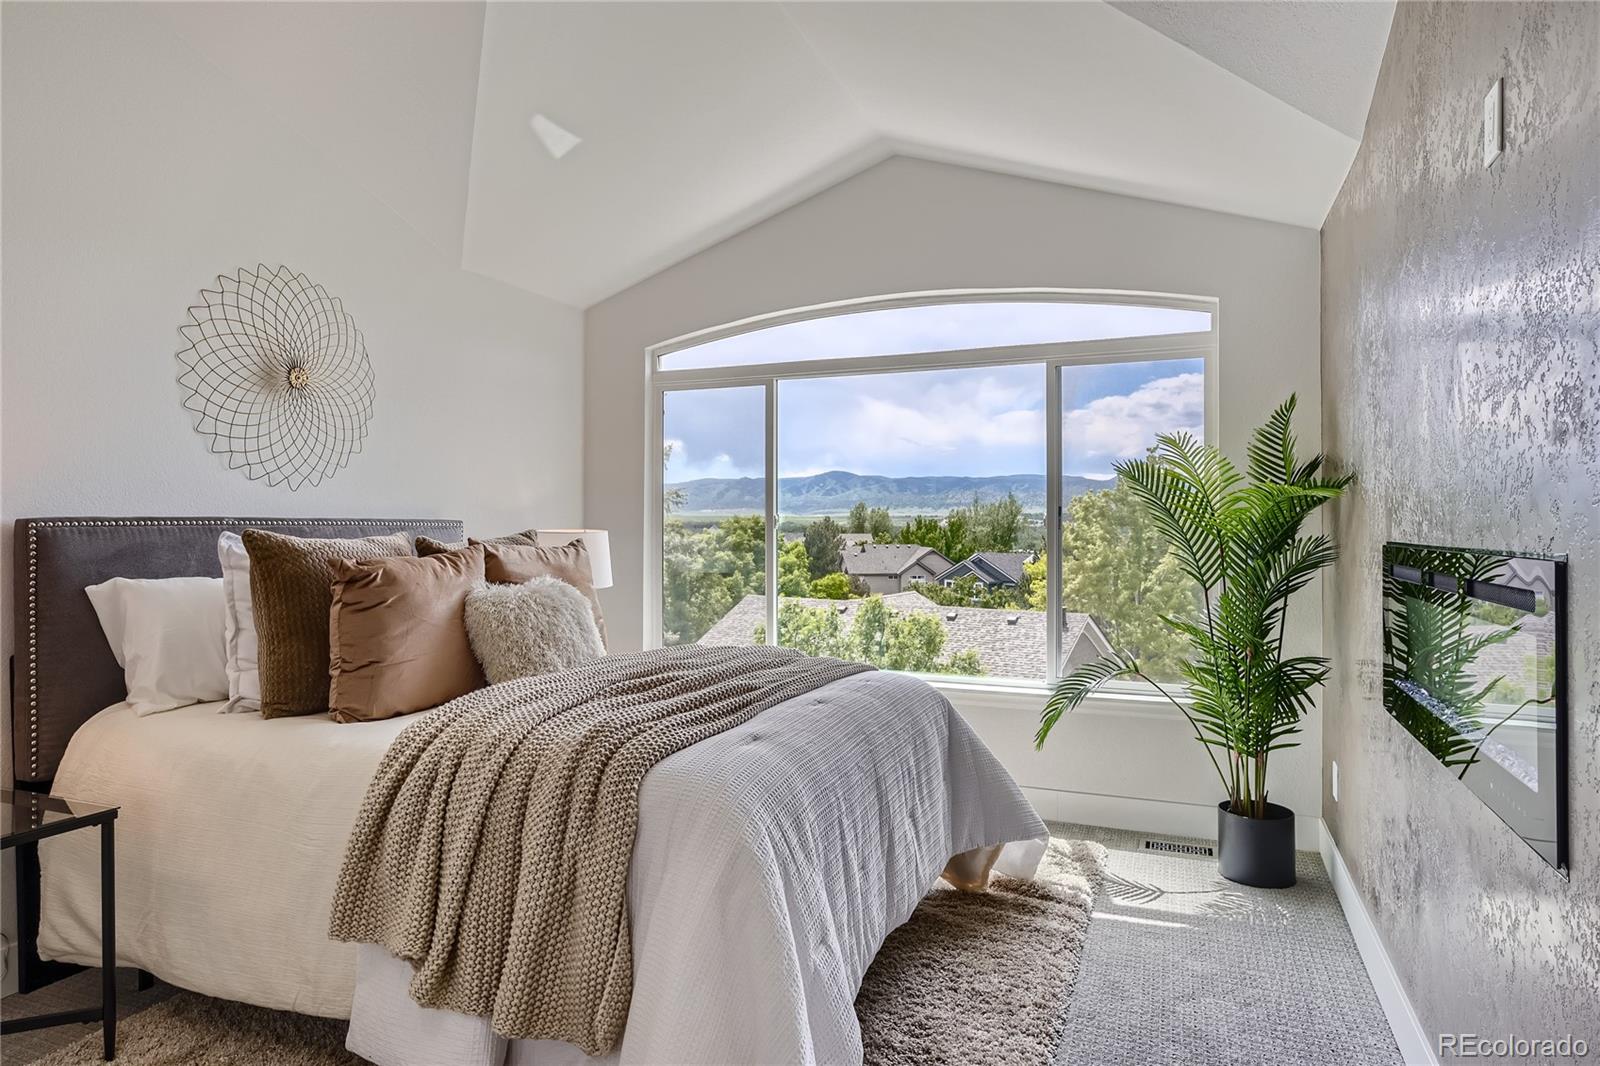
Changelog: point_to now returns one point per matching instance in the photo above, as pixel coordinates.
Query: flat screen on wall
(1473, 644)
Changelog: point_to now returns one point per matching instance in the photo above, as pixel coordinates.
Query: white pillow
(239, 628)
(167, 636)
(538, 627)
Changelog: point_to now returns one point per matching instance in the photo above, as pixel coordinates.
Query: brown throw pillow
(397, 634)
(290, 593)
(429, 546)
(516, 563)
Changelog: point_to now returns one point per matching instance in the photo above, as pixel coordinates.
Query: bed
(769, 864)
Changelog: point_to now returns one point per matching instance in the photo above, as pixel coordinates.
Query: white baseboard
(1415, 1046)
(1170, 817)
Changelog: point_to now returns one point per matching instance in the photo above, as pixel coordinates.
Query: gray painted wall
(1461, 381)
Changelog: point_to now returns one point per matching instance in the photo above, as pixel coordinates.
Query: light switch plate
(1335, 780)
(1494, 122)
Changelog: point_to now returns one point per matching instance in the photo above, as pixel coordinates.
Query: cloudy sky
(954, 422)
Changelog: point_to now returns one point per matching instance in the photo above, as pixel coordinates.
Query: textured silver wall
(1461, 381)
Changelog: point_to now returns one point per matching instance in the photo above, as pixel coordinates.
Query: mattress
(770, 862)
(229, 842)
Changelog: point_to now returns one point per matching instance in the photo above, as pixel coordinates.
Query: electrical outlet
(1494, 127)
(1335, 780)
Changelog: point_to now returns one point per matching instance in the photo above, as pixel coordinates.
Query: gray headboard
(65, 672)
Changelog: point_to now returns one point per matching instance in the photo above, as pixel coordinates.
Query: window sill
(1029, 697)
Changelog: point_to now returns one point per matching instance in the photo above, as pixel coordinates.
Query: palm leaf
(1271, 447)
(1077, 686)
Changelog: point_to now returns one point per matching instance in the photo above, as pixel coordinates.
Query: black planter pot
(1256, 851)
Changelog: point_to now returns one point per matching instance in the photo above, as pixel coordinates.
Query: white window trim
(1052, 356)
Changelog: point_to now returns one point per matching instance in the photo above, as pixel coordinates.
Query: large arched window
(926, 482)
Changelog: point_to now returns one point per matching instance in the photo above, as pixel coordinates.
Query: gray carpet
(970, 980)
(1183, 968)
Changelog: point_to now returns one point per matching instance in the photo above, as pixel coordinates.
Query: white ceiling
(1321, 56)
(699, 119)
(696, 119)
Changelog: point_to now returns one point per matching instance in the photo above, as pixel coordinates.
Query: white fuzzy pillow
(538, 627)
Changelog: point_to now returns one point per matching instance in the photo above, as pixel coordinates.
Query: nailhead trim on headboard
(66, 523)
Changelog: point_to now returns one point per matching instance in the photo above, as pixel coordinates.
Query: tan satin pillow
(397, 636)
(429, 546)
(290, 590)
(516, 563)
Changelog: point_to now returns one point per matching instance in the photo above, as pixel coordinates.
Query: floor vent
(1173, 847)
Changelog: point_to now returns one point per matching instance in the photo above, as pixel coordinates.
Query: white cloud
(1122, 427)
(683, 466)
(941, 422)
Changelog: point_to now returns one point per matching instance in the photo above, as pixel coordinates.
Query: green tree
(959, 538)
(881, 525)
(875, 520)
(997, 526)
(705, 573)
(809, 630)
(923, 530)
(989, 527)
(1117, 568)
(878, 636)
(824, 542)
(950, 537)
(794, 569)
(834, 586)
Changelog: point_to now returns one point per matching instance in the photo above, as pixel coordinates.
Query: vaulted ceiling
(666, 127)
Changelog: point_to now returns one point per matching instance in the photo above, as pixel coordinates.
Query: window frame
(1052, 356)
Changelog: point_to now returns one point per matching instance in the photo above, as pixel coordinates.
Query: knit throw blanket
(493, 845)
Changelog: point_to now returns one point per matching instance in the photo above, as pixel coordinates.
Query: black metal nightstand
(30, 817)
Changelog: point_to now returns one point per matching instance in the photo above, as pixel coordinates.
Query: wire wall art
(276, 374)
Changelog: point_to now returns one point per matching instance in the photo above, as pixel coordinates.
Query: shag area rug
(983, 978)
(971, 979)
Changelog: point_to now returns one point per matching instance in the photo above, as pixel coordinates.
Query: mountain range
(836, 491)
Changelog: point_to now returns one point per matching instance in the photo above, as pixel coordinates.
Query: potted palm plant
(1239, 540)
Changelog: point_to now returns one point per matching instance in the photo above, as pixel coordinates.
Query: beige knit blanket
(493, 845)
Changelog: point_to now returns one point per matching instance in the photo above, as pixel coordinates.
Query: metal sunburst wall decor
(277, 376)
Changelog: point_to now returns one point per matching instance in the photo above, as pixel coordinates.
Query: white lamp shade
(595, 540)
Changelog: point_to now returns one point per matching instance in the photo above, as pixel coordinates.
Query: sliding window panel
(713, 521)
(910, 517)
(1118, 574)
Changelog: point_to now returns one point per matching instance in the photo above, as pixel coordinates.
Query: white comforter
(770, 863)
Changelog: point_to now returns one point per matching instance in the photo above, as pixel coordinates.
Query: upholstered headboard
(64, 671)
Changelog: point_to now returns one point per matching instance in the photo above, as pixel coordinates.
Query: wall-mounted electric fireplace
(1474, 649)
